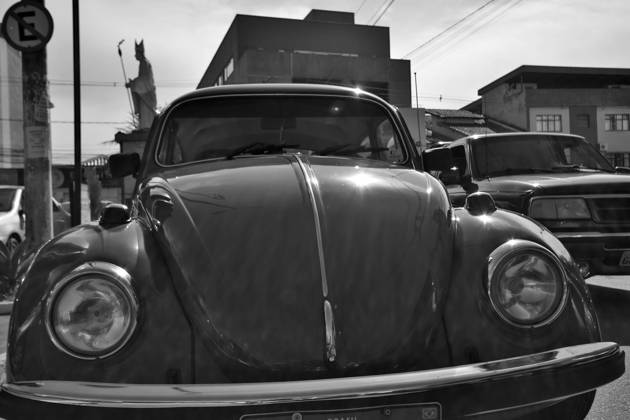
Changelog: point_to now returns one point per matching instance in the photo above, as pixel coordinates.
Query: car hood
(296, 267)
(565, 183)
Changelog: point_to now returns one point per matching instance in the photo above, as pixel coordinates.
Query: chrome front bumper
(541, 377)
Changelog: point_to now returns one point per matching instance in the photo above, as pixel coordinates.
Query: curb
(6, 307)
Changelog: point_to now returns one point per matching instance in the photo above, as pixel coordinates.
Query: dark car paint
(469, 335)
(260, 289)
(202, 237)
(131, 247)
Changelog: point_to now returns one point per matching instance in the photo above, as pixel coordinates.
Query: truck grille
(610, 209)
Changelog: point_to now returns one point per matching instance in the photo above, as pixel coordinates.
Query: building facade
(325, 47)
(11, 140)
(591, 102)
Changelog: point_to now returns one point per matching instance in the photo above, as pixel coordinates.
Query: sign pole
(28, 26)
(76, 179)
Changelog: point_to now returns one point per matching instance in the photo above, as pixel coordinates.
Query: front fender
(31, 355)
(481, 335)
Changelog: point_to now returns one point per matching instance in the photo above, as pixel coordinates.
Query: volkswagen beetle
(285, 256)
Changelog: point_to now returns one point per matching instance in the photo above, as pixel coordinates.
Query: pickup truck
(559, 180)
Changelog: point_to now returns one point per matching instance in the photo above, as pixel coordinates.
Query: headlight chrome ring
(92, 312)
(526, 284)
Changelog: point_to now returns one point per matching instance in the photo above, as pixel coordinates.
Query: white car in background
(12, 216)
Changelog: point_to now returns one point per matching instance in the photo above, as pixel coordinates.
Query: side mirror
(450, 177)
(121, 165)
(622, 169)
(440, 159)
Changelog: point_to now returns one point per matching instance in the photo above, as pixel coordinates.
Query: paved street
(611, 402)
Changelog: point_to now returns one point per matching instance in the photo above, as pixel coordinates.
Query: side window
(386, 138)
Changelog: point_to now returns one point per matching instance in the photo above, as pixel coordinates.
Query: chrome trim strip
(226, 395)
(117, 275)
(602, 235)
(331, 333)
(312, 185)
(584, 196)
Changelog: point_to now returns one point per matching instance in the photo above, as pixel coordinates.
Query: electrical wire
(466, 31)
(465, 18)
(61, 82)
(362, 4)
(71, 122)
(380, 12)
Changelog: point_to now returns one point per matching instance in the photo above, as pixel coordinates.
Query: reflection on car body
(275, 265)
(561, 181)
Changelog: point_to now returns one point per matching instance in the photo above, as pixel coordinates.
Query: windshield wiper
(258, 148)
(576, 168)
(348, 149)
(518, 171)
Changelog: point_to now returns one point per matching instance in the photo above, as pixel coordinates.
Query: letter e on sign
(27, 26)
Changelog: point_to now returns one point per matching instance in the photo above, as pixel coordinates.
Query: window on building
(619, 159)
(229, 69)
(582, 121)
(549, 123)
(617, 122)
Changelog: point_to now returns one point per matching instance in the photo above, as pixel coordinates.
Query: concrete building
(591, 102)
(11, 140)
(325, 47)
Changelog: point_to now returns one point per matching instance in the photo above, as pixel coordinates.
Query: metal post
(125, 81)
(418, 112)
(76, 197)
(37, 177)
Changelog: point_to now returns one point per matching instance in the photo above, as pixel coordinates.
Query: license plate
(624, 261)
(424, 411)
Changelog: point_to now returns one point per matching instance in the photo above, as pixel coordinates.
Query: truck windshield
(236, 127)
(522, 154)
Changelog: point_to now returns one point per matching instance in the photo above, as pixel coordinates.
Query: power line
(362, 4)
(160, 84)
(469, 30)
(449, 28)
(380, 12)
(70, 122)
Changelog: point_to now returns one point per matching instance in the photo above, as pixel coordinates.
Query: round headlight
(92, 312)
(526, 283)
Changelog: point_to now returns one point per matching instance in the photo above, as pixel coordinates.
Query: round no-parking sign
(27, 26)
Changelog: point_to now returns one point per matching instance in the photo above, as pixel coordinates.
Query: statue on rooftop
(143, 89)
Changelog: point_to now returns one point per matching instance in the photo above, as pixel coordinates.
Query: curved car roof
(278, 88)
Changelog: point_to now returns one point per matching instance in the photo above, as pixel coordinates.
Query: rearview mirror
(123, 164)
(439, 159)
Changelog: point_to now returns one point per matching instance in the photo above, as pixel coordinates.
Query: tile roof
(453, 113)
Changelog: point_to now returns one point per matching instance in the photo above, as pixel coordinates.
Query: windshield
(237, 126)
(6, 198)
(494, 156)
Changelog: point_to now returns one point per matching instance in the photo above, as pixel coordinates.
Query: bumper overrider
(520, 384)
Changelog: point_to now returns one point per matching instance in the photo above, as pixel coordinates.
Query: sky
(455, 47)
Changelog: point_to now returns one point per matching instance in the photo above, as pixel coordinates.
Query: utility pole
(28, 26)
